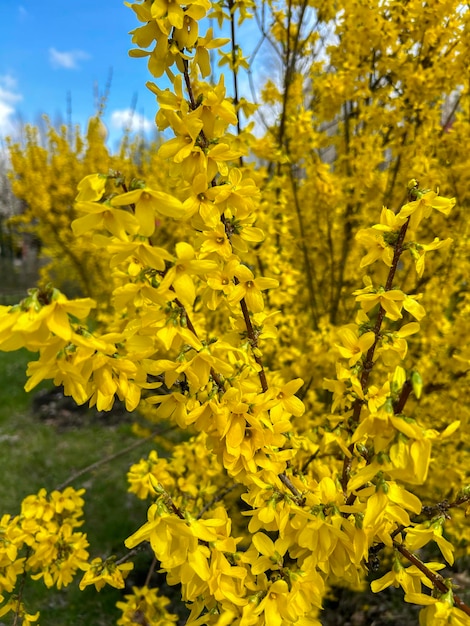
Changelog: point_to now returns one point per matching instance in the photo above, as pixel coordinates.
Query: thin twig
(130, 554)
(19, 598)
(292, 488)
(444, 506)
(216, 498)
(112, 457)
(436, 579)
(150, 572)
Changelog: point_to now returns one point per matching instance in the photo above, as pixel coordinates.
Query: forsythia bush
(275, 299)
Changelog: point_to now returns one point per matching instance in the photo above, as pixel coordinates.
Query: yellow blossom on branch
(104, 216)
(149, 203)
(377, 247)
(391, 301)
(180, 275)
(91, 188)
(354, 346)
(100, 573)
(422, 207)
(250, 288)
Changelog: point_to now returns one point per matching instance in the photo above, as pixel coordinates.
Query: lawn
(43, 446)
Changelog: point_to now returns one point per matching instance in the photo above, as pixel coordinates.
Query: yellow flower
(56, 314)
(270, 553)
(352, 345)
(187, 35)
(68, 501)
(389, 221)
(91, 188)
(217, 111)
(17, 607)
(274, 605)
(398, 577)
(409, 459)
(243, 193)
(101, 573)
(422, 207)
(221, 282)
(61, 554)
(186, 129)
(172, 406)
(426, 532)
(216, 241)
(438, 611)
(418, 251)
(203, 45)
(411, 304)
(45, 311)
(143, 36)
(203, 199)
(287, 401)
(144, 604)
(179, 276)
(408, 578)
(100, 216)
(395, 342)
(377, 247)
(149, 256)
(391, 301)
(171, 100)
(175, 10)
(148, 202)
(110, 376)
(376, 397)
(250, 288)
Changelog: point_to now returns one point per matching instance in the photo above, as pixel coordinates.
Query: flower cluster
(42, 542)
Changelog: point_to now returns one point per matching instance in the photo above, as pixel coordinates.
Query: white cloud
(23, 13)
(127, 119)
(9, 96)
(67, 59)
(8, 82)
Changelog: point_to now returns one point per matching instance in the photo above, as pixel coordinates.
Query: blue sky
(57, 47)
(54, 48)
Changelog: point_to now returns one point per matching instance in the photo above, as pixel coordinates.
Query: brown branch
(399, 405)
(292, 488)
(171, 505)
(436, 579)
(189, 87)
(192, 102)
(236, 100)
(443, 507)
(254, 344)
(216, 377)
(369, 360)
(447, 121)
(246, 316)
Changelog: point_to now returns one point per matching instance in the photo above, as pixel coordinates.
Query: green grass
(12, 376)
(39, 452)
